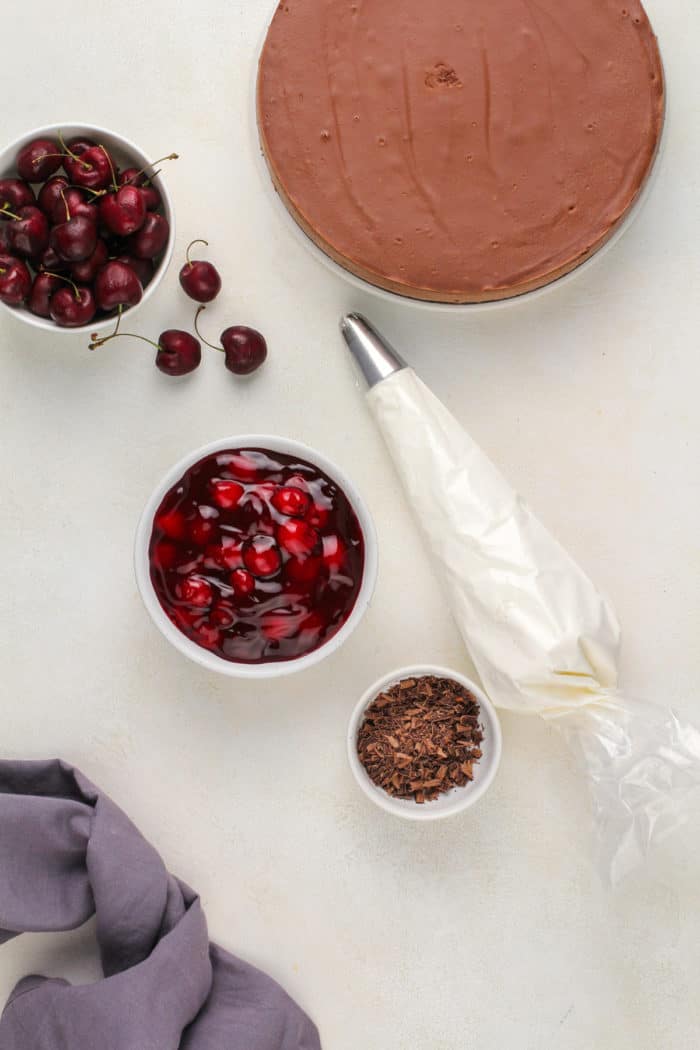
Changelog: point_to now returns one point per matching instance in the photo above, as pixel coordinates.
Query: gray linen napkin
(66, 853)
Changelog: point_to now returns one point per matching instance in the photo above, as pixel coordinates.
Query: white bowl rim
(296, 232)
(207, 659)
(458, 799)
(127, 146)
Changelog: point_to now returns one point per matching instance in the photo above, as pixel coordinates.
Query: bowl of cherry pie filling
(256, 556)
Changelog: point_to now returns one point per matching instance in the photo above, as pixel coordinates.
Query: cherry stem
(65, 204)
(69, 153)
(60, 277)
(196, 327)
(5, 210)
(115, 187)
(96, 343)
(171, 156)
(190, 246)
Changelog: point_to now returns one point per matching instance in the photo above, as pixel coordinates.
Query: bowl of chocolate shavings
(424, 743)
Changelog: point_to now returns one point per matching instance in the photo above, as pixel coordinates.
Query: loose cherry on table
(177, 353)
(233, 588)
(245, 348)
(15, 280)
(200, 279)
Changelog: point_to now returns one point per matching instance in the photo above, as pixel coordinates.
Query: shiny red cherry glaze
(241, 577)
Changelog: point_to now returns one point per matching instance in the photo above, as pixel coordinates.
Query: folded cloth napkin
(66, 853)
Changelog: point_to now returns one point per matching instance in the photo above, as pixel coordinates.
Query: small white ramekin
(127, 155)
(458, 798)
(203, 656)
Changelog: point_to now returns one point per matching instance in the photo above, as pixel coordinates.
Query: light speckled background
(490, 931)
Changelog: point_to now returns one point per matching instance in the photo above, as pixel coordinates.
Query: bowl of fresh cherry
(86, 227)
(256, 556)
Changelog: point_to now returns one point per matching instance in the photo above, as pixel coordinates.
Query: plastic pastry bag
(543, 639)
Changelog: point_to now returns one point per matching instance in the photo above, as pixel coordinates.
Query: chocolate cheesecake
(460, 151)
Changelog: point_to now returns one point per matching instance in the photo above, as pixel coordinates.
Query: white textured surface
(490, 931)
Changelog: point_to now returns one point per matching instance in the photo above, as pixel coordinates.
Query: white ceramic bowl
(203, 656)
(459, 798)
(127, 155)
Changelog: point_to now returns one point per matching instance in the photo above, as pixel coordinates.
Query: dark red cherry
(116, 285)
(292, 501)
(75, 239)
(73, 307)
(5, 246)
(86, 271)
(15, 194)
(72, 203)
(91, 169)
(50, 200)
(178, 353)
(51, 260)
(262, 557)
(143, 268)
(298, 538)
(199, 279)
(45, 284)
(304, 570)
(245, 348)
(173, 524)
(197, 592)
(151, 239)
(203, 531)
(134, 177)
(38, 160)
(80, 144)
(15, 280)
(29, 233)
(226, 494)
(123, 212)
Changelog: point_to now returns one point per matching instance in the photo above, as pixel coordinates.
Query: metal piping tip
(376, 357)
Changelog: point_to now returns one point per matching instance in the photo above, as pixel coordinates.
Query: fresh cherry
(298, 538)
(29, 233)
(92, 169)
(151, 239)
(69, 204)
(51, 200)
(292, 502)
(45, 284)
(134, 177)
(79, 145)
(197, 592)
(143, 268)
(124, 211)
(15, 280)
(5, 246)
(38, 160)
(178, 353)
(15, 194)
(245, 349)
(75, 239)
(51, 260)
(116, 285)
(262, 557)
(86, 271)
(200, 279)
(73, 307)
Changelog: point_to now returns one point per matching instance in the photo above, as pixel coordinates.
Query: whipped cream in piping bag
(542, 638)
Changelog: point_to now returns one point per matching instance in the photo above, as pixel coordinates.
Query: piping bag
(543, 639)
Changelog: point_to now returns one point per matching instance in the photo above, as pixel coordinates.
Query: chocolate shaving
(421, 738)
